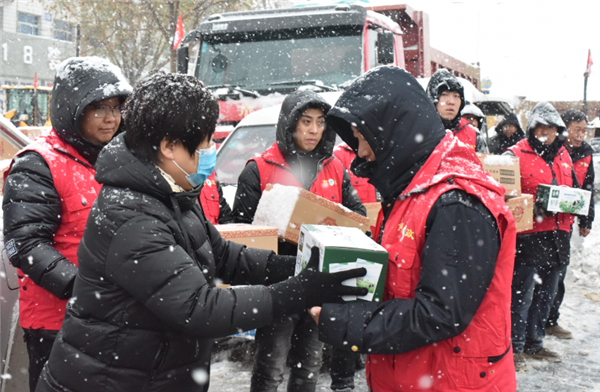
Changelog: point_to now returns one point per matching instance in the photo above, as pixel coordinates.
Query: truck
(25, 105)
(253, 59)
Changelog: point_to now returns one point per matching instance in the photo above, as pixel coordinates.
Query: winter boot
(545, 355)
(520, 365)
(559, 332)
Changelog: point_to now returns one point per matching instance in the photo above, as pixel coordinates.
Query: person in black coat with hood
(387, 119)
(583, 166)
(448, 95)
(508, 133)
(543, 252)
(49, 192)
(145, 308)
(291, 160)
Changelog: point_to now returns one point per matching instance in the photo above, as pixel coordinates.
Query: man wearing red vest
(448, 96)
(215, 207)
(444, 324)
(302, 156)
(583, 165)
(49, 192)
(542, 252)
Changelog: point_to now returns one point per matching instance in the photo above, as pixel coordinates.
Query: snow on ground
(580, 313)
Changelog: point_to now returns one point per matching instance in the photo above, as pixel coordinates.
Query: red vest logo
(330, 182)
(518, 213)
(406, 232)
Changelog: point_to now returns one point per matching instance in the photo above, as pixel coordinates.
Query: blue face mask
(207, 158)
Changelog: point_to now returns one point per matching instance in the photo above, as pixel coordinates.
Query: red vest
(466, 133)
(460, 363)
(209, 199)
(581, 168)
(273, 169)
(535, 171)
(74, 181)
(366, 191)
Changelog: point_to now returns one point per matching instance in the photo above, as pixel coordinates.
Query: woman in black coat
(145, 308)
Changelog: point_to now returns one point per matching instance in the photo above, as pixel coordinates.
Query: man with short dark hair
(447, 94)
(581, 154)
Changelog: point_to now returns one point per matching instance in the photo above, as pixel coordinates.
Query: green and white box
(564, 199)
(343, 248)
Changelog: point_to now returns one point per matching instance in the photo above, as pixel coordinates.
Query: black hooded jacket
(304, 166)
(78, 82)
(579, 153)
(146, 310)
(442, 80)
(390, 109)
(545, 248)
(499, 142)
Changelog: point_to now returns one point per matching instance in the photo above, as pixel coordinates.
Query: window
(63, 30)
(28, 24)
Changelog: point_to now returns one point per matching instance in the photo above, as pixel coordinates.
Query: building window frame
(63, 30)
(28, 24)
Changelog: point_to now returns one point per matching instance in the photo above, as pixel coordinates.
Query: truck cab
(253, 59)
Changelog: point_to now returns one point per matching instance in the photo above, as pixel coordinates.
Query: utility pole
(585, 78)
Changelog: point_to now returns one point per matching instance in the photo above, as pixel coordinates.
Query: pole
(78, 41)
(586, 75)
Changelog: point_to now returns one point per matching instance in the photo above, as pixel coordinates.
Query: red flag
(35, 82)
(588, 69)
(178, 33)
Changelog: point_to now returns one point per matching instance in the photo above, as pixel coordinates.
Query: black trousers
(39, 344)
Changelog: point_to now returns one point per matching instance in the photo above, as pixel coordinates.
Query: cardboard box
(521, 208)
(564, 199)
(372, 212)
(250, 235)
(505, 170)
(288, 207)
(343, 248)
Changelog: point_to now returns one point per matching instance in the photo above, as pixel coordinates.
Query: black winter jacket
(30, 182)
(442, 80)
(145, 309)
(304, 166)
(545, 248)
(585, 222)
(499, 142)
(403, 128)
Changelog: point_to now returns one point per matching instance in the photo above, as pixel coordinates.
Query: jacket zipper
(159, 358)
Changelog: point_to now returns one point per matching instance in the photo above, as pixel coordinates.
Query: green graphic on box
(343, 248)
(564, 199)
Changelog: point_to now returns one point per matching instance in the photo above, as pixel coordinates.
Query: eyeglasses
(103, 110)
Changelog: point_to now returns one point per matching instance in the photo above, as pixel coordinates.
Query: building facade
(34, 41)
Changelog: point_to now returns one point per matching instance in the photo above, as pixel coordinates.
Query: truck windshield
(255, 60)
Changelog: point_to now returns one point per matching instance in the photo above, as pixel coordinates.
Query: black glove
(313, 288)
(538, 210)
(279, 268)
